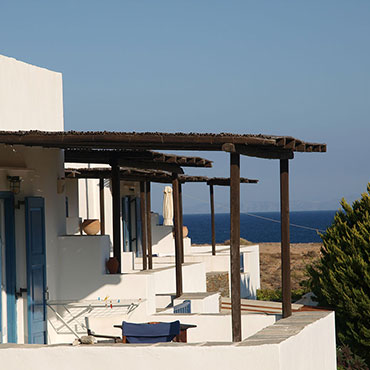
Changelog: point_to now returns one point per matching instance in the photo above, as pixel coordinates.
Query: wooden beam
(143, 223)
(130, 156)
(285, 238)
(219, 181)
(253, 151)
(212, 201)
(102, 206)
(181, 223)
(150, 175)
(149, 225)
(116, 212)
(229, 147)
(169, 167)
(235, 245)
(176, 219)
(141, 141)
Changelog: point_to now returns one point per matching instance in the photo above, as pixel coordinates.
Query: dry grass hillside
(270, 263)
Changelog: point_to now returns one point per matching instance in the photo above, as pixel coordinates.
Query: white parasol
(167, 206)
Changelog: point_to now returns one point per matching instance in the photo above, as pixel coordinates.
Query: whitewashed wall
(311, 348)
(31, 98)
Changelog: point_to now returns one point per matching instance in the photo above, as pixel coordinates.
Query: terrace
(51, 280)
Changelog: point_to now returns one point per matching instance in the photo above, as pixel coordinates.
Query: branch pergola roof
(136, 174)
(144, 159)
(264, 146)
(260, 146)
(147, 176)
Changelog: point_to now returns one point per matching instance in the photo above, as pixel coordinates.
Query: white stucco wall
(315, 348)
(193, 278)
(31, 98)
(217, 327)
(310, 348)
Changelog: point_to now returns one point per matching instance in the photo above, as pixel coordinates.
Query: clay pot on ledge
(112, 265)
(185, 232)
(91, 227)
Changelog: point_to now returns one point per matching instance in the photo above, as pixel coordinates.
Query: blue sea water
(259, 227)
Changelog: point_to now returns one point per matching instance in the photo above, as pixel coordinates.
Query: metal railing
(184, 307)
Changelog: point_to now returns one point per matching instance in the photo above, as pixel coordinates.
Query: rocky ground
(301, 255)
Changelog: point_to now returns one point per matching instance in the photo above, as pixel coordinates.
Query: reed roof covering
(265, 146)
(136, 174)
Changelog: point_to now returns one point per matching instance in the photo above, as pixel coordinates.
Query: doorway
(8, 320)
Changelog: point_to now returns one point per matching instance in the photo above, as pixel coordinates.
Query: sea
(259, 227)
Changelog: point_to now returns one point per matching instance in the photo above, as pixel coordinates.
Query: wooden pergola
(147, 177)
(143, 166)
(261, 146)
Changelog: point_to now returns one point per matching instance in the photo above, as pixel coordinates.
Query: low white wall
(82, 273)
(311, 347)
(201, 303)
(210, 327)
(212, 263)
(250, 260)
(217, 327)
(162, 239)
(193, 278)
(136, 357)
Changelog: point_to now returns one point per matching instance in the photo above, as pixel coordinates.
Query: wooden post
(235, 245)
(212, 200)
(102, 207)
(143, 223)
(181, 224)
(176, 219)
(285, 237)
(116, 212)
(149, 225)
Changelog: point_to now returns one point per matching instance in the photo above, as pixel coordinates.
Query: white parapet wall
(31, 98)
(82, 273)
(193, 278)
(200, 302)
(81, 276)
(306, 341)
(217, 327)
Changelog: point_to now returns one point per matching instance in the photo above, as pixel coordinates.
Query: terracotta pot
(185, 231)
(91, 227)
(112, 265)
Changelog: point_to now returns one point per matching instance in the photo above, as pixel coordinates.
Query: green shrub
(346, 360)
(275, 295)
(341, 278)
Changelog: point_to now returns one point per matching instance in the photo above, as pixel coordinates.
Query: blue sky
(299, 68)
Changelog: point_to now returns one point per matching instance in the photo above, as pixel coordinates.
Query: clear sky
(299, 68)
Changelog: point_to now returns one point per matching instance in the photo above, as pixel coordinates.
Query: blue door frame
(126, 220)
(36, 269)
(10, 265)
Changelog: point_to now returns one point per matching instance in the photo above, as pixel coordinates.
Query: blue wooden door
(36, 269)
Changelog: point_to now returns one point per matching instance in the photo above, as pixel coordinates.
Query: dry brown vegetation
(302, 254)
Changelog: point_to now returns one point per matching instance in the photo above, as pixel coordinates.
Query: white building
(51, 281)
